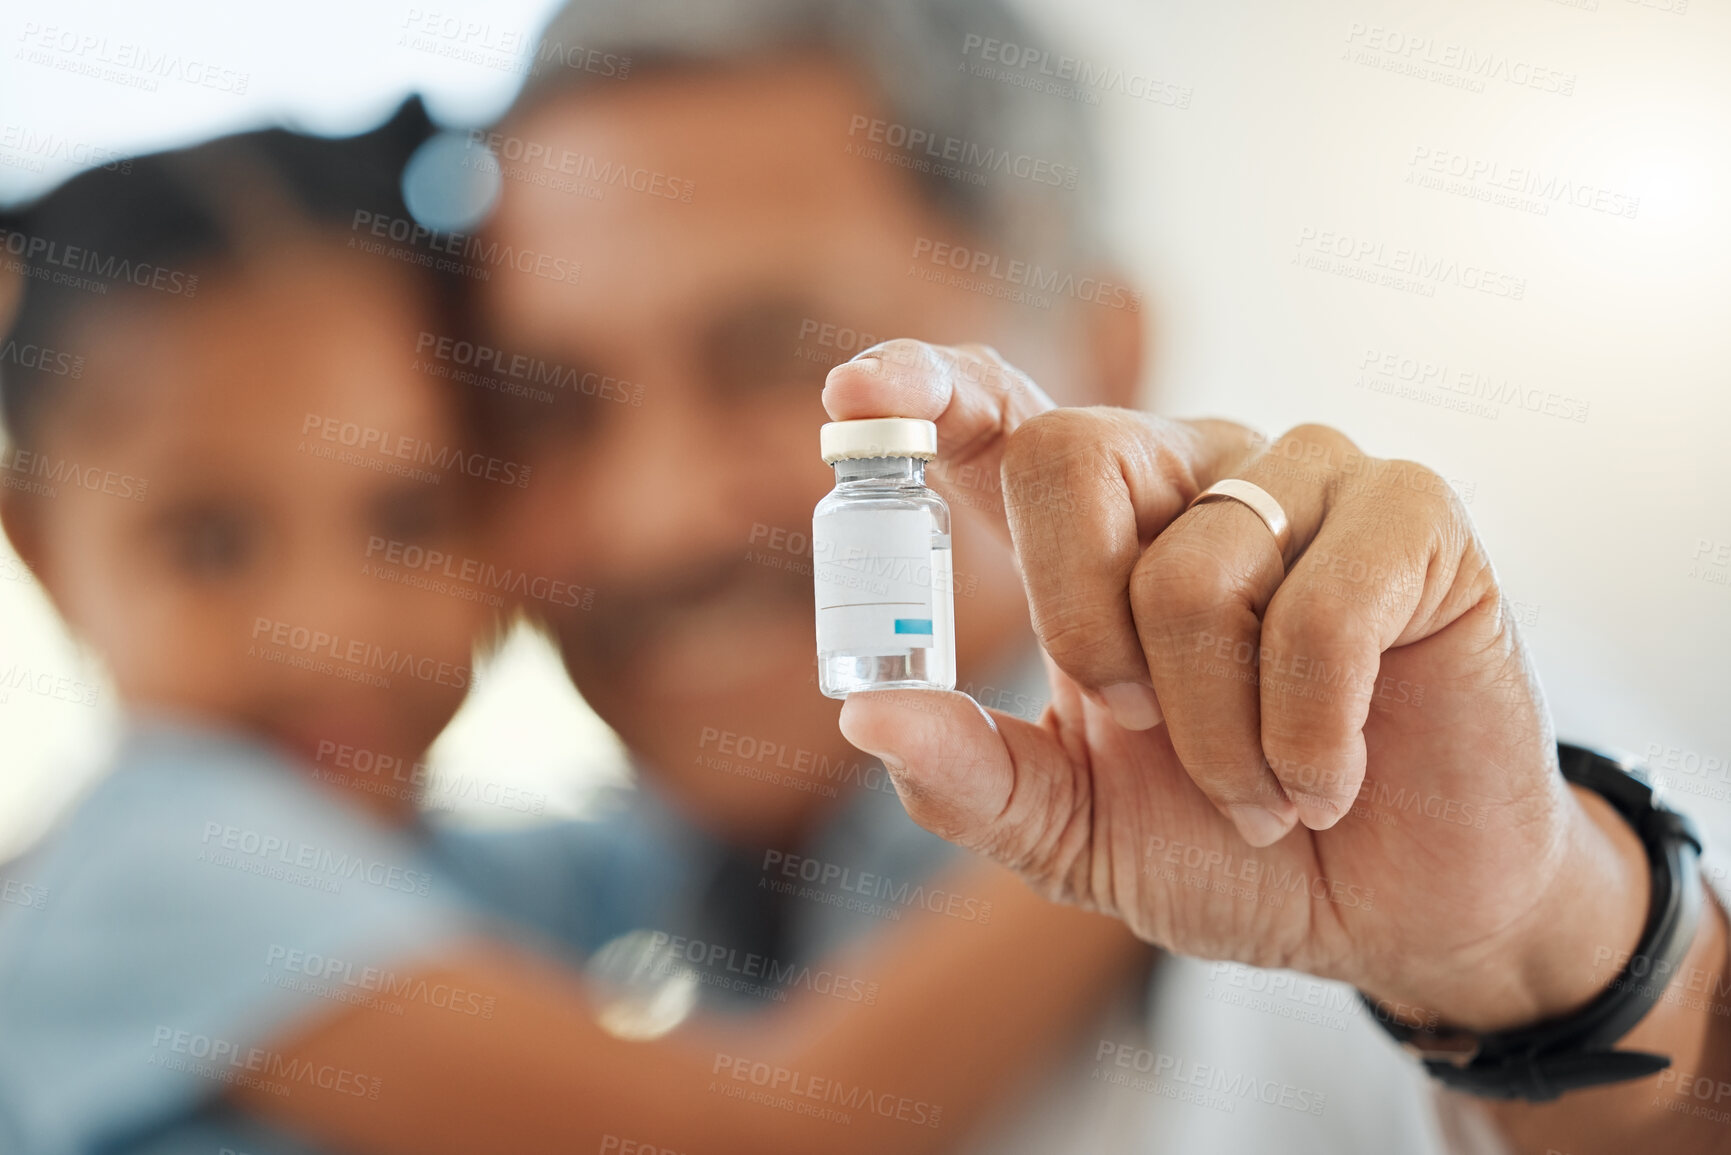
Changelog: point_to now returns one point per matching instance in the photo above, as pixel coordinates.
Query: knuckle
(1311, 440)
(929, 809)
(1180, 580)
(1418, 477)
(1421, 482)
(1305, 618)
(1062, 433)
(984, 366)
(1317, 668)
(1308, 451)
(1316, 431)
(1023, 448)
(1050, 851)
(1416, 503)
(1224, 763)
(1080, 638)
(1191, 623)
(1356, 575)
(1052, 459)
(1429, 490)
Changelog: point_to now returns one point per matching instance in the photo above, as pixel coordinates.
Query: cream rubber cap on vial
(878, 437)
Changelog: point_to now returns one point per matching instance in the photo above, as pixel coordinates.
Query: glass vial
(881, 562)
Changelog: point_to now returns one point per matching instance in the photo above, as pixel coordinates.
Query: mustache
(629, 611)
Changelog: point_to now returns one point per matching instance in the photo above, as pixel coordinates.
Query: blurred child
(247, 393)
(208, 503)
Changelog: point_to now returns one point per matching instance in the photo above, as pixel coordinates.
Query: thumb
(982, 779)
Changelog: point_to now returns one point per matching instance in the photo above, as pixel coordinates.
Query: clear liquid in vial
(884, 580)
(933, 667)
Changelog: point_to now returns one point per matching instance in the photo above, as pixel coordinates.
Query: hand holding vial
(1218, 706)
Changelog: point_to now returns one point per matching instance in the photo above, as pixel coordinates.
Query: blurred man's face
(741, 253)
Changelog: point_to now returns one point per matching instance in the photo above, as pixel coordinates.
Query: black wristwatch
(1542, 1061)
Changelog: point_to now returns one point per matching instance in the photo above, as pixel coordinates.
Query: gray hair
(1030, 180)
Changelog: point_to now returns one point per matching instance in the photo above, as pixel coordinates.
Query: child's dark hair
(163, 219)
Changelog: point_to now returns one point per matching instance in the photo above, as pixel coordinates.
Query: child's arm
(965, 1012)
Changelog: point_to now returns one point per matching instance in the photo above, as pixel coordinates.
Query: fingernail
(1258, 825)
(865, 364)
(1133, 705)
(1315, 814)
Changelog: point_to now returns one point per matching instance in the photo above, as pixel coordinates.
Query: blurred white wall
(1282, 173)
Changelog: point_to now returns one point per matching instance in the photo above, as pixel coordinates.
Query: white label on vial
(873, 571)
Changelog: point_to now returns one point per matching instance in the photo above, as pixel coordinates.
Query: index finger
(975, 397)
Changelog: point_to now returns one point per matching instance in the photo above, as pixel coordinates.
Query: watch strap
(1544, 1060)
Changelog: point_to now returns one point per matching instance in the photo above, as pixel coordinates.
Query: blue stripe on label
(913, 625)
